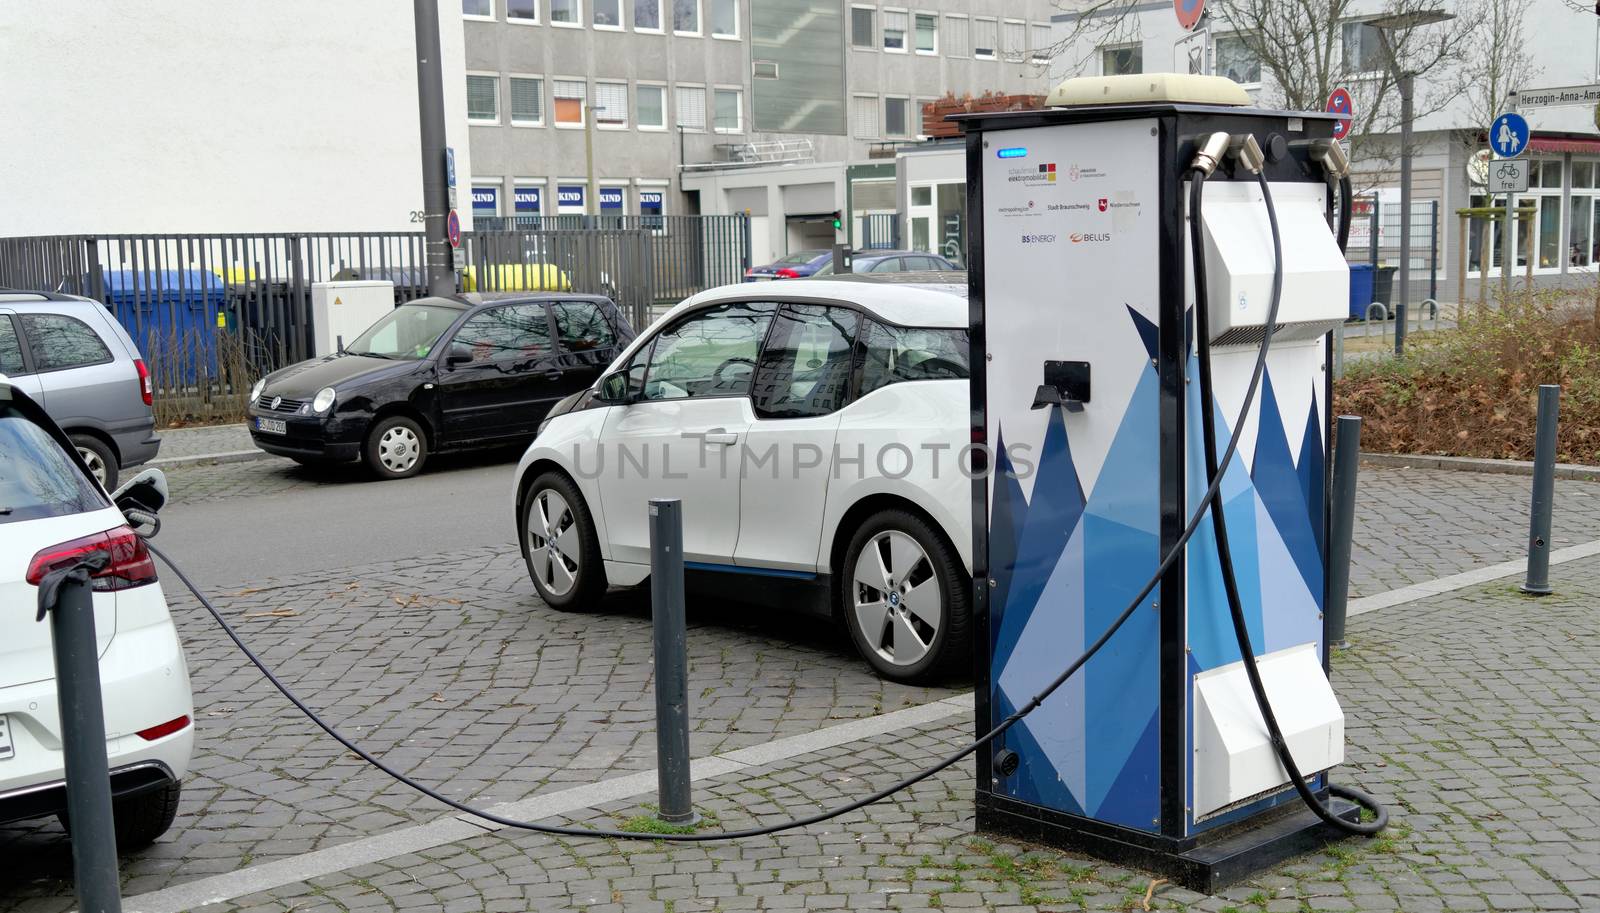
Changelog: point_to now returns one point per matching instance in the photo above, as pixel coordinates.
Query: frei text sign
(1563, 95)
(1508, 176)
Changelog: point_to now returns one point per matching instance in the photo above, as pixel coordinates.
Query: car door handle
(552, 374)
(718, 436)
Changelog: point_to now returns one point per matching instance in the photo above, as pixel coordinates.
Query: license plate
(6, 751)
(271, 426)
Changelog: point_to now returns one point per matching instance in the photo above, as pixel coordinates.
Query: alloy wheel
(553, 542)
(897, 601)
(97, 466)
(399, 449)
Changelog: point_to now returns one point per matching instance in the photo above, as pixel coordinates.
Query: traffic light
(838, 221)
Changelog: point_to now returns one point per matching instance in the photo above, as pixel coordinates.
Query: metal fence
(687, 254)
(1375, 240)
(210, 310)
(880, 231)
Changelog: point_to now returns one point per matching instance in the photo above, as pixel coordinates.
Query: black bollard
(1346, 463)
(672, 661)
(1537, 582)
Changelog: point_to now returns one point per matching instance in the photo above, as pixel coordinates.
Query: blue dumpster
(172, 317)
(1360, 289)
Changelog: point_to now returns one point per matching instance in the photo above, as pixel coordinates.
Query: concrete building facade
(720, 106)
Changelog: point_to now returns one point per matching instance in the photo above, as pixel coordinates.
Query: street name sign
(1562, 95)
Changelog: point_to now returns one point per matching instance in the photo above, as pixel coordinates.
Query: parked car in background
(52, 512)
(70, 355)
(892, 261)
(795, 422)
(436, 375)
(794, 266)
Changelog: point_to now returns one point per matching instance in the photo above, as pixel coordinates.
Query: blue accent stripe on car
(758, 571)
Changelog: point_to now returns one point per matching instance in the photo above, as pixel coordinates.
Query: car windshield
(37, 478)
(409, 331)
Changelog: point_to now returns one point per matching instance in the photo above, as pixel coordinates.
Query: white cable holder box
(345, 310)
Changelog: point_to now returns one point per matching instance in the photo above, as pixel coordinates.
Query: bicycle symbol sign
(1508, 176)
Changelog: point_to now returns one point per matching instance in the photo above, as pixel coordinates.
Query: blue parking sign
(1508, 135)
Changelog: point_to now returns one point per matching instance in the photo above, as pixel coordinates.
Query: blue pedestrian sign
(1508, 135)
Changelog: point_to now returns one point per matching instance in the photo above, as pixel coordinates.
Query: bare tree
(1498, 61)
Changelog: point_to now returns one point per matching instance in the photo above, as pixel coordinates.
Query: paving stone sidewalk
(203, 440)
(1466, 714)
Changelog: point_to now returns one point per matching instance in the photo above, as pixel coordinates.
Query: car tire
(102, 462)
(559, 544)
(905, 599)
(396, 448)
(139, 820)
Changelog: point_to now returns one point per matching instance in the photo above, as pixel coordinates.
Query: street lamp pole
(430, 115)
(1405, 82)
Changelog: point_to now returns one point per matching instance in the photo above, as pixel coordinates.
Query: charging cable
(1252, 161)
(1210, 498)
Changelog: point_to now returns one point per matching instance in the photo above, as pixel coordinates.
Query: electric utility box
(344, 310)
(1084, 389)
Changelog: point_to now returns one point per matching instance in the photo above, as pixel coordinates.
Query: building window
(895, 23)
(686, 17)
(691, 101)
(611, 201)
(566, 12)
(863, 30)
(527, 101)
(957, 42)
(1016, 40)
(764, 69)
(894, 116)
(1040, 43)
(1122, 61)
(526, 201)
(607, 13)
(1363, 47)
(569, 199)
(864, 117)
(483, 99)
(730, 110)
(1236, 61)
(570, 97)
(478, 9)
(985, 36)
(485, 201)
(927, 28)
(647, 15)
(611, 104)
(652, 107)
(725, 18)
(522, 10)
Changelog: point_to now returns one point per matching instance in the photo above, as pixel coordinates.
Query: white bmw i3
(816, 433)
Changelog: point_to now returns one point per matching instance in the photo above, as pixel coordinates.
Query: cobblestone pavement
(203, 439)
(1412, 525)
(1465, 714)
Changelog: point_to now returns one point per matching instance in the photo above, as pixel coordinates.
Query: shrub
(1473, 391)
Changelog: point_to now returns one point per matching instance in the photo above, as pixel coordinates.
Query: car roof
(918, 299)
(473, 299)
(19, 299)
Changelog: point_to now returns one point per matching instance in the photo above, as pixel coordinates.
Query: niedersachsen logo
(1043, 173)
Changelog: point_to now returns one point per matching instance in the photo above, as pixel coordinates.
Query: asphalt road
(236, 522)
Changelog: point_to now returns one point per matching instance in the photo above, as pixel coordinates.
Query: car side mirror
(459, 354)
(613, 389)
(142, 497)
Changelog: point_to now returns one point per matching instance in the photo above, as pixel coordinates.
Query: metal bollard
(672, 661)
(1537, 582)
(65, 595)
(1341, 529)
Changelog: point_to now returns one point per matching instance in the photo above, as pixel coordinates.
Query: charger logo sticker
(1043, 173)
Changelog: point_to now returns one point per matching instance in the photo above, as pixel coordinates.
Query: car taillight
(130, 565)
(787, 273)
(163, 729)
(146, 390)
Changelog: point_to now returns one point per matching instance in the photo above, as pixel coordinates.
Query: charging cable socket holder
(1066, 384)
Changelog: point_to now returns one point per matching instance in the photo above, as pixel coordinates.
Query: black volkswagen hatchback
(438, 374)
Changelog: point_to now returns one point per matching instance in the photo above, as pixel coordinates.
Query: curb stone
(1473, 464)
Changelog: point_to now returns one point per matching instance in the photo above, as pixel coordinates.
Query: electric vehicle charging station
(1088, 395)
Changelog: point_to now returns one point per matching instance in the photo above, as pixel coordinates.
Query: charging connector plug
(1208, 153)
(1245, 150)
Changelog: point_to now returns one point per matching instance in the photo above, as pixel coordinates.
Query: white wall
(203, 116)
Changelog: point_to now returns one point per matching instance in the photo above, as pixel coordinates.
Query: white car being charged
(814, 432)
(53, 512)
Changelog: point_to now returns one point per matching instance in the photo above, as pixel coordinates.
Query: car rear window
(805, 256)
(59, 341)
(37, 478)
(896, 354)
